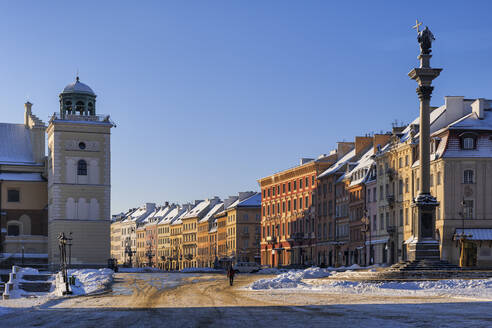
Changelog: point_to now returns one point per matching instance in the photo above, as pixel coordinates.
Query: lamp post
(365, 227)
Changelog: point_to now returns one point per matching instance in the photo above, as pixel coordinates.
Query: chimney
(361, 144)
(305, 160)
(343, 148)
(27, 113)
(477, 107)
(380, 140)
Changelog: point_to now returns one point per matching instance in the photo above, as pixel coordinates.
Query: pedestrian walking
(230, 274)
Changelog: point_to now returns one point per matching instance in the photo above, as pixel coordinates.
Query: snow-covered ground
(309, 280)
(201, 270)
(139, 270)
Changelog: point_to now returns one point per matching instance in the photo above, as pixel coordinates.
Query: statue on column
(425, 38)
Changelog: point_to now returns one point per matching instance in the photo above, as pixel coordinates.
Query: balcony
(390, 199)
(391, 229)
(82, 118)
(390, 173)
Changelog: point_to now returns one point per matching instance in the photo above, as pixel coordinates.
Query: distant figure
(230, 274)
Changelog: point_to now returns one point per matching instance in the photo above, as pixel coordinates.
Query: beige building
(79, 178)
(23, 191)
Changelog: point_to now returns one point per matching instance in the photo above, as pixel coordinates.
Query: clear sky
(209, 96)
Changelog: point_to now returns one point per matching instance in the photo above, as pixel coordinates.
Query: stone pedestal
(424, 246)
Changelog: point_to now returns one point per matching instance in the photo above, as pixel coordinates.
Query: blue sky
(209, 96)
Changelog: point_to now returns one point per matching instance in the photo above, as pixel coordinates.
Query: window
(468, 143)
(278, 190)
(288, 205)
(264, 193)
(13, 230)
(431, 180)
(295, 204)
(374, 222)
(406, 185)
(438, 178)
(288, 187)
(406, 216)
(13, 196)
(381, 221)
(283, 207)
(283, 188)
(400, 187)
(400, 162)
(295, 184)
(374, 194)
(330, 187)
(312, 180)
(418, 184)
(406, 160)
(368, 195)
(300, 183)
(468, 209)
(468, 176)
(300, 203)
(401, 217)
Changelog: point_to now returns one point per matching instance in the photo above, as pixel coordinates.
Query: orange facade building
(288, 218)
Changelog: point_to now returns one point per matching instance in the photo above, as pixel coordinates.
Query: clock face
(82, 145)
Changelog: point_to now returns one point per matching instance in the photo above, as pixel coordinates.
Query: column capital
(424, 92)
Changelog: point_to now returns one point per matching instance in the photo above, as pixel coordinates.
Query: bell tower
(79, 178)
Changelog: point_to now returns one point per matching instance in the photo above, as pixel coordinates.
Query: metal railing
(84, 118)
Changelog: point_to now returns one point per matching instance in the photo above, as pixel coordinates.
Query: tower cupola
(77, 98)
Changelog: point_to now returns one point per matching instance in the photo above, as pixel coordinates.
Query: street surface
(206, 300)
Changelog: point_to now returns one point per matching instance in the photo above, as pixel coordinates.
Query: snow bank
(90, 280)
(200, 270)
(290, 279)
(474, 288)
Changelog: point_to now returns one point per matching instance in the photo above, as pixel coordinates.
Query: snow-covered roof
(472, 122)
(476, 234)
(253, 201)
(8, 176)
(218, 207)
(15, 144)
(364, 162)
(341, 162)
(198, 209)
(78, 87)
(170, 215)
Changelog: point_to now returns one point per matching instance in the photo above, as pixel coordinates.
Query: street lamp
(366, 226)
(462, 237)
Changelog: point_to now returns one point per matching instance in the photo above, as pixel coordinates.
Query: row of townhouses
(355, 205)
(207, 233)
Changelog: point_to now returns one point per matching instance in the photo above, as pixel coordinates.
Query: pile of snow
(474, 288)
(89, 281)
(290, 279)
(139, 270)
(200, 270)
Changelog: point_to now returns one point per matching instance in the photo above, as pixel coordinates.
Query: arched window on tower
(80, 108)
(68, 107)
(81, 167)
(90, 106)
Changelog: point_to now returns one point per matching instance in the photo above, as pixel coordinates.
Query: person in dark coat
(230, 274)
